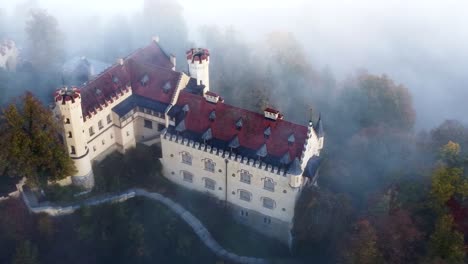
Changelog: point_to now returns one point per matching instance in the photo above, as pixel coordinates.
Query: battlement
(198, 55)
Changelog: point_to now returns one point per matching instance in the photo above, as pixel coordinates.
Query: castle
(256, 163)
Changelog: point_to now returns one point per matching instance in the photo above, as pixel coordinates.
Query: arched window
(269, 184)
(209, 165)
(245, 195)
(69, 134)
(186, 158)
(187, 176)
(209, 183)
(245, 176)
(268, 203)
(73, 151)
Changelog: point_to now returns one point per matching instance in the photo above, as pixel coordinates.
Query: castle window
(69, 134)
(109, 120)
(91, 131)
(209, 165)
(186, 158)
(160, 127)
(100, 124)
(187, 176)
(267, 220)
(148, 124)
(212, 116)
(111, 136)
(210, 184)
(128, 133)
(103, 142)
(269, 184)
(67, 120)
(245, 176)
(269, 203)
(244, 213)
(73, 151)
(94, 148)
(245, 195)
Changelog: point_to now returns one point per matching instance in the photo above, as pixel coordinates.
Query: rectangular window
(148, 124)
(245, 196)
(209, 165)
(109, 120)
(100, 124)
(267, 220)
(73, 151)
(94, 148)
(210, 184)
(67, 120)
(186, 158)
(188, 177)
(269, 185)
(245, 177)
(91, 131)
(160, 127)
(268, 203)
(128, 133)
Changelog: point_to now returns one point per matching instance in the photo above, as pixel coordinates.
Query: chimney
(272, 114)
(173, 61)
(212, 97)
(156, 39)
(120, 61)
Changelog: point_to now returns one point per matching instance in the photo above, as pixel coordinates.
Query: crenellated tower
(68, 101)
(199, 62)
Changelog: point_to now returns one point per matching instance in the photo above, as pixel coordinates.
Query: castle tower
(68, 101)
(199, 62)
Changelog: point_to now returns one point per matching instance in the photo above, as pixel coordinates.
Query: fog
(420, 44)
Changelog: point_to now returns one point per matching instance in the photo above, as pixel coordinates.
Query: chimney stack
(173, 61)
(120, 61)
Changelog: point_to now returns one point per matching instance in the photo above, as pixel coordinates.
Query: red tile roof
(109, 84)
(197, 55)
(251, 135)
(161, 84)
(150, 60)
(153, 55)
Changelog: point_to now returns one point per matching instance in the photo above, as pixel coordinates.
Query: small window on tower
(67, 120)
(69, 134)
(100, 124)
(91, 131)
(148, 124)
(73, 151)
(109, 120)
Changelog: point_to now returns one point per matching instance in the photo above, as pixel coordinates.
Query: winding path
(197, 226)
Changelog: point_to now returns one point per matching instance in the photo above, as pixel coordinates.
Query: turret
(198, 61)
(68, 101)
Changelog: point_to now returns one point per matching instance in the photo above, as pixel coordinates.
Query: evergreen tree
(30, 145)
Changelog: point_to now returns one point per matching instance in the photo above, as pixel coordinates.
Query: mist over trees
(388, 192)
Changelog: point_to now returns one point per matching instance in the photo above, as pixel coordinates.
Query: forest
(388, 191)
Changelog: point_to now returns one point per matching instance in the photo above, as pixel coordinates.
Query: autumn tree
(361, 245)
(45, 42)
(446, 242)
(30, 145)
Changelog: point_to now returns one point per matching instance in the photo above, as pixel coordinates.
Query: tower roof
(197, 54)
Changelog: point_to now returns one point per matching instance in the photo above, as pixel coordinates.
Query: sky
(420, 44)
